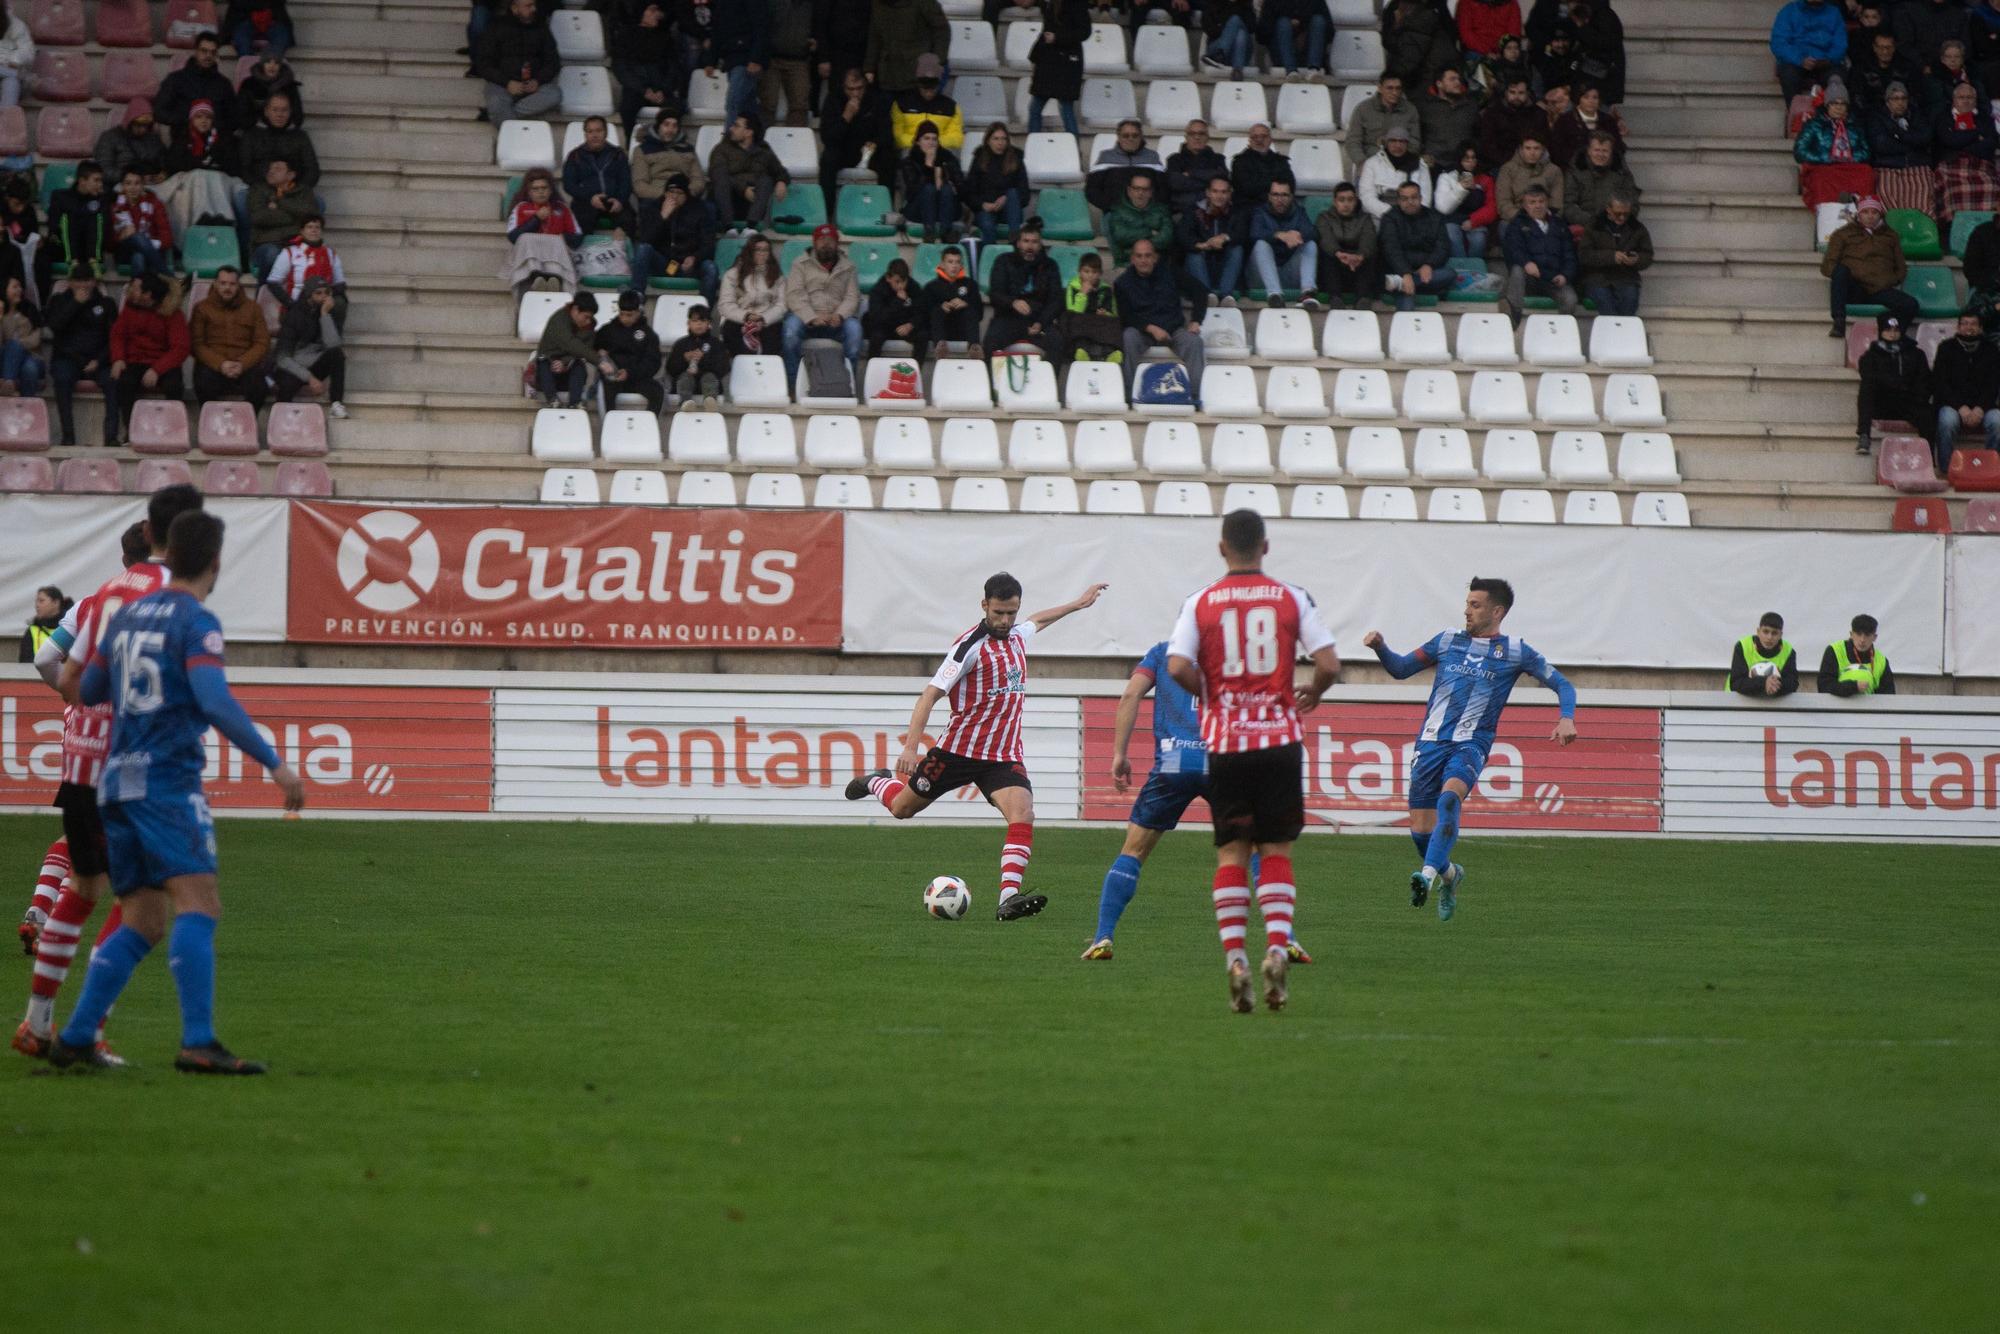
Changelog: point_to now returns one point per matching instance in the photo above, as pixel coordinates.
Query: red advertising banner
(359, 748)
(1358, 765)
(605, 577)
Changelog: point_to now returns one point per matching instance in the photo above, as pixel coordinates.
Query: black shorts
(84, 828)
(1257, 795)
(941, 771)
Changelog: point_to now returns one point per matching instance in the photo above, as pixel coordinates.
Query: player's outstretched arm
(1088, 598)
(1399, 665)
(225, 715)
(1544, 671)
(1121, 729)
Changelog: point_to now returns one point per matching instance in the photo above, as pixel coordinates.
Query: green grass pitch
(620, 1077)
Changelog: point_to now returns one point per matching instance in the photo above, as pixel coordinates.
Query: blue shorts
(1165, 797)
(1438, 762)
(153, 841)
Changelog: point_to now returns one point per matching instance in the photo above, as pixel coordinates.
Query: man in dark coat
(1026, 294)
(1895, 382)
(518, 59)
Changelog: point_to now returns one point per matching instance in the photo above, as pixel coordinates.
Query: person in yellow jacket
(926, 102)
(50, 607)
(1854, 666)
(1763, 665)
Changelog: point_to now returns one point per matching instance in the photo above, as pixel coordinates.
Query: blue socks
(191, 959)
(1121, 882)
(110, 970)
(1437, 855)
(1423, 842)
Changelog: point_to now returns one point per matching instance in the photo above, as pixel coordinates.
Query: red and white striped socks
(48, 887)
(1014, 854)
(1232, 909)
(56, 951)
(885, 788)
(1276, 900)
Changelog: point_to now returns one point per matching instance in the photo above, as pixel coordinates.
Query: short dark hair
(319, 218)
(229, 268)
(132, 170)
(153, 285)
(1864, 624)
(1499, 590)
(132, 545)
(697, 311)
(1089, 260)
(1532, 192)
(1243, 532)
(1772, 619)
(169, 503)
(1033, 224)
(1002, 586)
(948, 252)
(201, 37)
(193, 544)
(88, 168)
(599, 119)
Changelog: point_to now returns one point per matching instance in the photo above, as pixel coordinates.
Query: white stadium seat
(1259, 496)
(1294, 391)
(573, 138)
(1234, 107)
(1104, 50)
(1222, 335)
(1319, 502)
(706, 488)
(1354, 53)
(1432, 396)
(708, 97)
(1359, 13)
(1100, 143)
(834, 442)
(1317, 165)
(982, 495)
(1161, 48)
(1172, 102)
(1306, 109)
(1017, 47)
(670, 315)
(1284, 335)
(1829, 218)
(1049, 495)
(586, 90)
(1353, 95)
(843, 491)
(981, 98)
(1104, 446)
(562, 435)
(1660, 509)
(1486, 340)
(639, 486)
(1444, 455)
(1388, 502)
(797, 149)
(1114, 498)
(1619, 342)
(1551, 342)
(1308, 451)
(1038, 445)
(961, 384)
(698, 437)
(1456, 504)
(1592, 507)
(970, 444)
(1095, 388)
(774, 490)
(1229, 391)
(1417, 337)
(758, 382)
(631, 437)
(1052, 158)
(1375, 454)
(1565, 398)
(523, 145)
(899, 442)
(1513, 456)
(1633, 400)
(1500, 398)
(533, 317)
(1531, 506)
(875, 378)
(1577, 458)
(1037, 388)
(1352, 335)
(569, 486)
(707, 138)
(1241, 449)
(1646, 458)
(973, 47)
(1173, 448)
(767, 440)
(912, 493)
(1169, 144)
(1363, 394)
(1183, 498)
(1106, 102)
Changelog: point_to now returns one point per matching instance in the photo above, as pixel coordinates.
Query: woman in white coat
(1394, 163)
(17, 52)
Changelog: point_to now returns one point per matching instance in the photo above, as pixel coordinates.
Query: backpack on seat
(1163, 385)
(827, 372)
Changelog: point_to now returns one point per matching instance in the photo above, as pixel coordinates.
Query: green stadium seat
(1962, 225)
(207, 249)
(1315, 205)
(1935, 289)
(928, 257)
(727, 248)
(1918, 232)
(871, 261)
(792, 252)
(802, 209)
(56, 176)
(513, 188)
(1065, 215)
(1472, 298)
(864, 210)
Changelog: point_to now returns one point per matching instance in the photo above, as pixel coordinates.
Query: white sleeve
(1313, 634)
(1185, 641)
(950, 669)
(1025, 631)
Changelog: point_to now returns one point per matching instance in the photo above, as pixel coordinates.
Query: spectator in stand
(543, 233)
(1349, 259)
(271, 74)
(1854, 665)
(1505, 122)
(79, 226)
(953, 305)
(854, 130)
(1507, 66)
(1191, 167)
(278, 207)
(745, 177)
(1483, 23)
(1555, 104)
(1230, 27)
(1832, 152)
(1597, 49)
(50, 608)
(697, 363)
(1541, 257)
(1877, 66)
(901, 32)
(932, 186)
(1254, 169)
(1574, 128)
(17, 54)
(1139, 217)
(1091, 329)
(230, 341)
(133, 142)
(694, 22)
(644, 60)
(303, 258)
(148, 345)
(1616, 248)
(1899, 141)
(1419, 41)
(1057, 60)
(840, 36)
(1465, 197)
(80, 319)
(563, 356)
(1376, 116)
(1966, 145)
(896, 312)
(1124, 161)
(1965, 381)
(1763, 665)
(201, 166)
(275, 136)
(739, 44)
(675, 241)
(1296, 33)
(598, 180)
(254, 23)
(1809, 43)
(926, 104)
(996, 189)
(1213, 235)
(1922, 27)
(1947, 73)
(1530, 167)
(142, 238)
(309, 355)
(1025, 294)
(1449, 114)
(822, 300)
(1895, 383)
(21, 232)
(1593, 179)
(1415, 248)
(1384, 175)
(752, 301)
(788, 76)
(197, 81)
(661, 152)
(628, 355)
(1160, 307)
(1284, 248)
(1982, 273)
(21, 364)
(518, 59)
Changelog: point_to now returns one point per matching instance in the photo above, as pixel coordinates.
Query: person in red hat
(822, 300)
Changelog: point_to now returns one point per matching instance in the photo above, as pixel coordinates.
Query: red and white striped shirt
(87, 728)
(986, 680)
(1246, 632)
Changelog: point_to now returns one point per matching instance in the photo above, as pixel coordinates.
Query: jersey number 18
(1249, 640)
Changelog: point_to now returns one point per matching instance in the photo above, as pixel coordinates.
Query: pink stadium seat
(1981, 515)
(24, 425)
(26, 473)
(1904, 462)
(98, 476)
(159, 426)
(244, 64)
(57, 22)
(129, 74)
(228, 429)
(156, 473)
(13, 132)
(303, 477)
(1880, 427)
(197, 293)
(1917, 514)
(124, 23)
(297, 430)
(231, 477)
(183, 20)
(1975, 470)
(60, 76)
(273, 312)
(64, 132)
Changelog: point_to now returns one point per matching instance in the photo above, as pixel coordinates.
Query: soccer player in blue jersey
(159, 665)
(1179, 775)
(1476, 671)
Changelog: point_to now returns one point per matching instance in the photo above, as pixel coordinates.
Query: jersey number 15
(1249, 641)
(138, 670)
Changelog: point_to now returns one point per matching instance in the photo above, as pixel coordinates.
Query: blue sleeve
(1539, 668)
(1402, 666)
(95, 688)
(1154, 663)
(225, 715)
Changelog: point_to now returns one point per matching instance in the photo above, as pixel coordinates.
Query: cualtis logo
(387, 560)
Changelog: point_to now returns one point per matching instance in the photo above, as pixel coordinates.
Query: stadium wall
(779, 749)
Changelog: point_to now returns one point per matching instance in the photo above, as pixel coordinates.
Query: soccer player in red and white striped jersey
(985, 676)
(1235, 648)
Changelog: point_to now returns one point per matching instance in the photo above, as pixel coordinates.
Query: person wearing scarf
(1965, 145)
(1832, 152)
(1384, 174)
(201, 166)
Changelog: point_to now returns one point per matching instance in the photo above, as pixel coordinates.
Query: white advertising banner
(738, 754)
(1975, 606)
(1642, 597)
(1865, 772)
(72, 542)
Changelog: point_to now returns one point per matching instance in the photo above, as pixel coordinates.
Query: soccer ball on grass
(947, 897)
